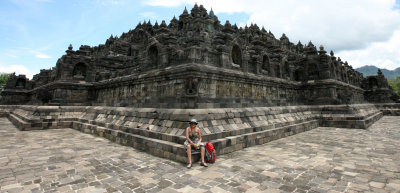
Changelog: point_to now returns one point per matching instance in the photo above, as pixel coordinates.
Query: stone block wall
(390, 109)
(16, 97)
(202, 86)
(61, 93)
(358, 116)
(331, 92)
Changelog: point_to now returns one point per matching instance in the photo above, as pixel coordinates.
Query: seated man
(193, 140)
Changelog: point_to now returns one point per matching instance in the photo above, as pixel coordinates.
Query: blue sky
(35, 33)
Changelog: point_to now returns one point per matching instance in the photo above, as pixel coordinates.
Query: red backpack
(210, 153)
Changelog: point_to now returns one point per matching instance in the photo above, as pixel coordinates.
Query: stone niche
(79, 72)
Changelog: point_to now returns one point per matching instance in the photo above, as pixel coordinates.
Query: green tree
(3, 79)
(395, 84)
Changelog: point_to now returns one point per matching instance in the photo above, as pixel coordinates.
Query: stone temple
(245, 87)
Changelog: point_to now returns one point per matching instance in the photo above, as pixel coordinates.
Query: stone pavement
(320, 160)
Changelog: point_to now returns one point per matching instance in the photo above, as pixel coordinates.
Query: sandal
(189, 166)
(204, 164)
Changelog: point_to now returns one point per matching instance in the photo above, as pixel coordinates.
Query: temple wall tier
(197, 62)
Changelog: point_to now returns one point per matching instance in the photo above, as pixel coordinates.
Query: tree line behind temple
(395, 84)
(3, 79)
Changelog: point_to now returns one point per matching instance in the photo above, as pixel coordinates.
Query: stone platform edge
(161, 131)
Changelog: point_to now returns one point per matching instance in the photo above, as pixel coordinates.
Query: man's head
(193, 122)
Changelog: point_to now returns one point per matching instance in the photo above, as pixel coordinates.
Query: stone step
(22, 117)
(235, 143)
(372, 119)
(153, 146)
(20, 123)
(55, 122)
(391, 112)
(181, 138)
(171, 146)
(177, 152)
(163, 134)
(26, 124)
(355, 122)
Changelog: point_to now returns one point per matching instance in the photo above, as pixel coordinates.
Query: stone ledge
(177, 152)
(352, 124)
(230, 129)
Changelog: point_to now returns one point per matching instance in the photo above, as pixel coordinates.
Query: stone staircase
(358, 116)
(161, 132)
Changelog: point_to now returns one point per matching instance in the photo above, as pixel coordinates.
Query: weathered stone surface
(196, 62)
(229, 129)
(320, 160)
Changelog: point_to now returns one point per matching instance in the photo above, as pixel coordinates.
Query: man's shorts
(194, 141)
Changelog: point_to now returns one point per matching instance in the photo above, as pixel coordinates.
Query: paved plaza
(320, 160)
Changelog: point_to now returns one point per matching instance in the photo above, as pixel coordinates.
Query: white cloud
(164, 3)
(18, 69)
(40, 55)
(339, 25)
(44, 56)
(382, 54)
